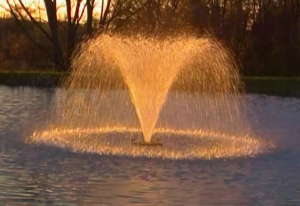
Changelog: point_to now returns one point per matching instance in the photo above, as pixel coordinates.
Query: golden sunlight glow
(37, 7)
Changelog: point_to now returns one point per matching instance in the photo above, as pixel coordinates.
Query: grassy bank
(32, 78)
(286, 87)
(289, 87)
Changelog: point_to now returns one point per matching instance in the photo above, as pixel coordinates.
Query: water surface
(45, 175)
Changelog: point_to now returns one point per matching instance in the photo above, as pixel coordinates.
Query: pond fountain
(92, 114)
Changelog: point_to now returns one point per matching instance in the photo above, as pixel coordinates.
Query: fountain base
(143, 143)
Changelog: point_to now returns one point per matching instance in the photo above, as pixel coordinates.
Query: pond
(32, 174)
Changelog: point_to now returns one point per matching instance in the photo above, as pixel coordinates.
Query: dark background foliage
(263, 35)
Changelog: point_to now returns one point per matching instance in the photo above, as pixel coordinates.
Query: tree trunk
(52, 21)
(89, 22)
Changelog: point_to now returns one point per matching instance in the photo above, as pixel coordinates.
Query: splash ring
(178, 144)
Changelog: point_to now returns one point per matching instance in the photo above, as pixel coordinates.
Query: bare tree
(21, 13)
(115, 13)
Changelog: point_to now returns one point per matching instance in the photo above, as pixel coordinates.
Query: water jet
(149, 66)
(131, 87)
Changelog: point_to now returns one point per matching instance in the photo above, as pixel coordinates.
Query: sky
(38, 6)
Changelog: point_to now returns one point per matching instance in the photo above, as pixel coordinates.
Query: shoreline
(278, 86)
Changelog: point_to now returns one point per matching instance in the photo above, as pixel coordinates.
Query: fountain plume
(149, 66)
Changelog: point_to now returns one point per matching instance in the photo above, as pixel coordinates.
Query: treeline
(263, 35)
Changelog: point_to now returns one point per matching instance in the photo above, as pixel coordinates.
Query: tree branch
(24, 28)
(79, 18)
(35, 22)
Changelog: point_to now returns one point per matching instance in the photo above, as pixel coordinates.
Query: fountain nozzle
(143, 143)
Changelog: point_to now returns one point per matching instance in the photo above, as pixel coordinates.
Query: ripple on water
(178, 144)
